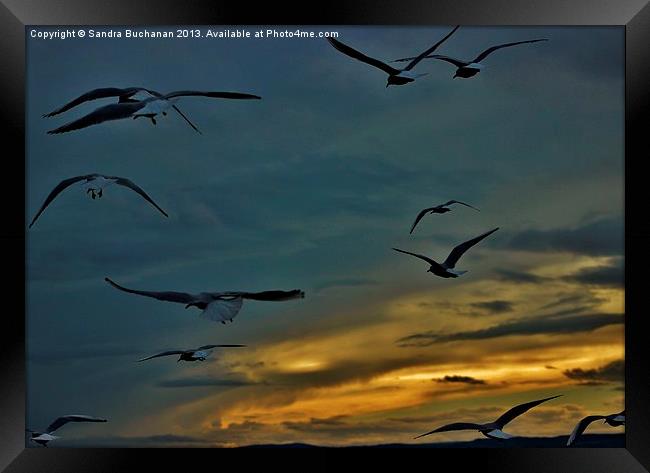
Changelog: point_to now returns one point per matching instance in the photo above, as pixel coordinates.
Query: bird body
(96, 184)
(153, 107)
(493, 430)
(469, 70)
(42, 439)
(215, 306)
(497, 434)
(447, 268)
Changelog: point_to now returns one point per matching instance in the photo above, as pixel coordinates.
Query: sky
(310, 188)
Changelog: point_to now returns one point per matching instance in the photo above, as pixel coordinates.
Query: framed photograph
(381, 227)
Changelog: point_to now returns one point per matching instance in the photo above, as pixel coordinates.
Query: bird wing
(454, 426)
(114, 111)
(221, 310)
(94, 95)
(133, 186)
(422, 213)
(169, 296)
(353, 53)
(274, 295)
(519, 410)
(459, 250)
(61, 421)
(165, 353)
(60, 187)
(455, 62)
(207, 347)
(458, 202)
(422, 257)
(178, 110)
(417, 59)
(489, 51)
(581, 426)
(213, 95)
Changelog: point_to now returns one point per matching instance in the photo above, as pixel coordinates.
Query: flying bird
(395, 76)
(466, 69)
(150, 108)
(124, 95)
(215, 306)
(493, 430)
(438, 209)
(94, 185)
(446, 269)
(42, 438)
(614, 420)
(195, 354)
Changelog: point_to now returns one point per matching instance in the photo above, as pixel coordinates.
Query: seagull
(614, 420)
(466, 69)
(149, 108)
(94, 185)
(493, 430)
(42, 438)
(195, 354)
(438, 209)
(215, 306)
(446, 269)
(125, 95)
(395, 76)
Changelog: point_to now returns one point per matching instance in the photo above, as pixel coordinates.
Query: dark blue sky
(308, 188)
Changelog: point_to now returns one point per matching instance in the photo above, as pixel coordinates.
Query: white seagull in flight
(446, 269)
(94, 185)
(215, 306)
(493, 430)
(466, 69)
(438, 209)
(614, 420)
(195, 354)
(124, 95)
(149, 107)
(42, 438)
(395, 76)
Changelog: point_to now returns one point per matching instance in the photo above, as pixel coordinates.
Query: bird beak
(387, 85)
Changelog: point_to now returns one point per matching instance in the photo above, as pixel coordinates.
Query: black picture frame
(634, 15)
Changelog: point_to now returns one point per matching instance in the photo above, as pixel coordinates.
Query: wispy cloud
(205, 381)
(519, 277)
(460, 379)
(494, 307)
(603, 237)
(606, 275)
(546, 324)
